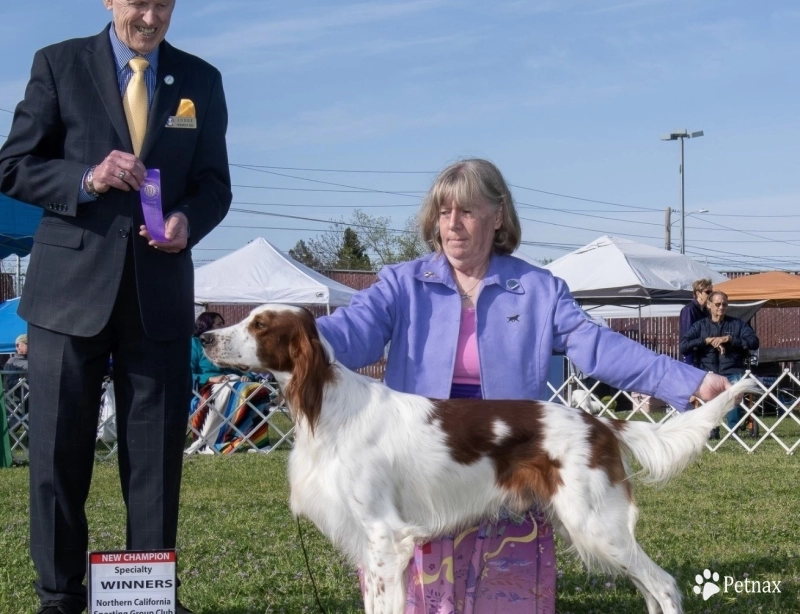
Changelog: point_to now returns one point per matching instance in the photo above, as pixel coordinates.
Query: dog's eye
(258, 324)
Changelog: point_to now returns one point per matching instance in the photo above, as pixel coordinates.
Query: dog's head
(283, 340)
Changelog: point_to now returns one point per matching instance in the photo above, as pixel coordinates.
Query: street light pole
(680, 135)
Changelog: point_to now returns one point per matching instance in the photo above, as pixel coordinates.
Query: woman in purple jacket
(471, 320)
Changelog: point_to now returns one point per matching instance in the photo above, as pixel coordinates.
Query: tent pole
(640, 324)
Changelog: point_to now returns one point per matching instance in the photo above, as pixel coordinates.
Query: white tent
(626, 277)
(259, 273)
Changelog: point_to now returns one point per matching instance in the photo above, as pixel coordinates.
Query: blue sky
(568, 97)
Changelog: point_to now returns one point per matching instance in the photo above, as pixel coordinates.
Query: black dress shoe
(181, 609)
(59, 607)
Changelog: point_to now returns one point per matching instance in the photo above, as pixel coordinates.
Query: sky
(336, 106)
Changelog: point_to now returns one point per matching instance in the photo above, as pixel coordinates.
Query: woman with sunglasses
(693, 312)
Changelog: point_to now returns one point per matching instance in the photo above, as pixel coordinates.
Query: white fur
(377, 477)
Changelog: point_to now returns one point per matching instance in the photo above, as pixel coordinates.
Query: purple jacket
(524, 314)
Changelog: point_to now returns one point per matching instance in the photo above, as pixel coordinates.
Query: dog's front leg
(389, 551)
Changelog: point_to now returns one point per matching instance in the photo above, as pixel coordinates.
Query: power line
(312, 219)
(359, 191)
(338, 185)
(320, 206)
(331, 170)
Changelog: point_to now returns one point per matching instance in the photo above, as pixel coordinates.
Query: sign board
(132, 582)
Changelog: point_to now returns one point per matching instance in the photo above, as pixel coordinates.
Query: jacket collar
(102, 68)
(165, 98)
(435, 268)
(103, 71)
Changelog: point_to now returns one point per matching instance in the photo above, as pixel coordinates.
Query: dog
(379, 471)
(582, 399)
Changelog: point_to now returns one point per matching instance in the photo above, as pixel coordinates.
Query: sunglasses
(709, 291)
(720, 304)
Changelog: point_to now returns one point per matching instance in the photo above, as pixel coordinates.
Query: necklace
(467, 294)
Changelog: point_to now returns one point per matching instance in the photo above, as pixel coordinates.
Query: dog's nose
(207, 339)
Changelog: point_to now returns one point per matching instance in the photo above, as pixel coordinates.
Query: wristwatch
(90, 190)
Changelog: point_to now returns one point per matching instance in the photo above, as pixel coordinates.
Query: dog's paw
(706, 584)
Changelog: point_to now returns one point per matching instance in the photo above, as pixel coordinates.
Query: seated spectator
(16, 369)
(722, 345)
(203, 370)
(19, 361)
(214, 386)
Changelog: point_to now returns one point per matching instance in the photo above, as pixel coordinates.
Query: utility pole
(668, 229)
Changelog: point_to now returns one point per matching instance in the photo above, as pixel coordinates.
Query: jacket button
(123, 234)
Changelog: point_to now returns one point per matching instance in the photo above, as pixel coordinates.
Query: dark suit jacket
(72, 118)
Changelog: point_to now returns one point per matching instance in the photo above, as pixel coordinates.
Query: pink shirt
(468, 367)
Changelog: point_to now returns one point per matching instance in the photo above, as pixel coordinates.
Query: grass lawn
(733, 513)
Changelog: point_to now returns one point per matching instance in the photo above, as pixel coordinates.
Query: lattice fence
(254, 418)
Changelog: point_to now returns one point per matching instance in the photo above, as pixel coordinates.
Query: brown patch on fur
(605, 452)
(521, 464)
(288, 341)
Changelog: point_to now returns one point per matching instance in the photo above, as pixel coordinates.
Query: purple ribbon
(150, 193)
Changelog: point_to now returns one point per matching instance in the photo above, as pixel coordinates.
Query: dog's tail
(665, 449)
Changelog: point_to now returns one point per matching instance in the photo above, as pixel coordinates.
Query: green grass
(734, 513)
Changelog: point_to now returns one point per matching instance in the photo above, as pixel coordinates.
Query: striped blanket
(229, 412)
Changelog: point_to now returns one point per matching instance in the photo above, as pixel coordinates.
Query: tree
(351, 255)
(367, 243)
(304, 255)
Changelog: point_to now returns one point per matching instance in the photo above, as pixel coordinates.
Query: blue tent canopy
(11, 326)
(18, 222)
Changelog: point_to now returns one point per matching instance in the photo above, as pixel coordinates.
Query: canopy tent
(259, 273)
(18, 222)
(774, 289)
(11, 326)
(631, 277)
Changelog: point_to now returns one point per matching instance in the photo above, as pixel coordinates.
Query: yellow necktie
(135, 103)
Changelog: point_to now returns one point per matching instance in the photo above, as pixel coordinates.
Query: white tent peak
(611, 270)
(260, 273)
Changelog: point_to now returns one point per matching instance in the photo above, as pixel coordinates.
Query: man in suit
(100, 284)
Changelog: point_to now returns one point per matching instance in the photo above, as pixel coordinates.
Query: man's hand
(176, 231)
(716, 342)
(120, 170)
(711, 386)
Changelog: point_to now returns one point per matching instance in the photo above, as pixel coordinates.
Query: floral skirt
(504, 567)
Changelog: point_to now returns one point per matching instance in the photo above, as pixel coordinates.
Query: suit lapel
(165, 98)
(103, 69)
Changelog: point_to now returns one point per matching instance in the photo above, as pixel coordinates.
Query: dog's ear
(312, 370)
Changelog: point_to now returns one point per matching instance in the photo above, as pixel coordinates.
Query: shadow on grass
(582, 593)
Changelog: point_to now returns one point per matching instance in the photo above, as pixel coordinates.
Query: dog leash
(308, 567)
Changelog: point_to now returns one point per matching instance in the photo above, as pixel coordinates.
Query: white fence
(234, 416)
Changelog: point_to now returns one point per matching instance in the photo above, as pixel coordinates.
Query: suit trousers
(152, 382)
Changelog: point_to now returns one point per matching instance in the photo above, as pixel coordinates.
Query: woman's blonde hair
(467, 182)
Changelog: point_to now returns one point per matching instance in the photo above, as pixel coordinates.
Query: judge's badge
(185, 117)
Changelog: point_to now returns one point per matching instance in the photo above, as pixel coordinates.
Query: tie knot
(138, 64)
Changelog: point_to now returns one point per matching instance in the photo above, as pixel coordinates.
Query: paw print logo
(706, 584)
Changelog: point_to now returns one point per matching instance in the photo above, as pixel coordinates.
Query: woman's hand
(711, 386)
(217, 379)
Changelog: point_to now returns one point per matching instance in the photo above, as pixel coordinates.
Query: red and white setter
(379, 471)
